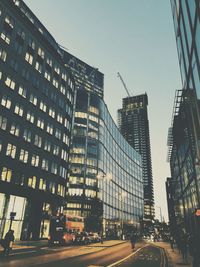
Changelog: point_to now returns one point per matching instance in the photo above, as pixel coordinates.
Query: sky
(135, 38)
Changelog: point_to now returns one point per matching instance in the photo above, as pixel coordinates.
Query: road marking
(118, 262)
(23, 252)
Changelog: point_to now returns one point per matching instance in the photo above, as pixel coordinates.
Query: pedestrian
(172, 243)
(133, 239)
(7, 242)
(184, 247)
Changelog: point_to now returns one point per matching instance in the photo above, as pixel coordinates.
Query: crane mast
(119, 75)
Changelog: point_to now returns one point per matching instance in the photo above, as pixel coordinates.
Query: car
(95, 237)
(83, 238)
(61, 237)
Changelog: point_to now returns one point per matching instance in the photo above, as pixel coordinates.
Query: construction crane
(119, 75)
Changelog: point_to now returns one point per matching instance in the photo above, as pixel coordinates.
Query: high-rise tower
(134, 126)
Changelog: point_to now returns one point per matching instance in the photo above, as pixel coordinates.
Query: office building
(36, 101)
(134, 126)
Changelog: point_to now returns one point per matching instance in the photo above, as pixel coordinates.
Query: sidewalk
(174, 258)
(44, 243)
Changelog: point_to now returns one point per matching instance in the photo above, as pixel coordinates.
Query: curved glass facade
(105, 170)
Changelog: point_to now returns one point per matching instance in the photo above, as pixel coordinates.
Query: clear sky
(134, 37)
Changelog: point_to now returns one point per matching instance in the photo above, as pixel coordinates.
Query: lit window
(42, 184)
(38, 67)
(59, 118)
(57, 70)
(40, 52)
(47, 145)
(29, 58)
(43, 106)
(58, 133)
(38, 140)
(55, 82)
(64, 76)
(6, 102)
(50, 128)
(5, 36)
(31, 43)
(30, 116)
(40, 123)
(65, 139)
(3, 123)
(49, 62)
(10, 83)
(23, 155)
(21, 34)
(32, 182)
(6, 174)
(47, 75)
(45, 164)
(52, 112)
(3, 55)
(62, 89)
(22, 91)
(27, 135)
(9, 21)
(14, 129)
(11, 150)
(33, 99)
(54, 168)
(35, 160)
(19, 110)
(56, 150)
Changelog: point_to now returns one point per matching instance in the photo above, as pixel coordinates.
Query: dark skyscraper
(134, 126)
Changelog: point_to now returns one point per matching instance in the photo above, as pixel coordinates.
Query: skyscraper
(134, 126)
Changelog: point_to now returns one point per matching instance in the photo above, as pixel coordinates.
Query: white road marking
(23, 252)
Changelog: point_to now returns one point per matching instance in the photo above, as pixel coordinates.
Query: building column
(4, 214)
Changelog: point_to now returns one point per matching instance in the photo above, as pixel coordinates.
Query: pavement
(174, 257)
(19, 245)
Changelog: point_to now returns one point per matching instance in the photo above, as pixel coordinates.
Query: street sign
(197, 212)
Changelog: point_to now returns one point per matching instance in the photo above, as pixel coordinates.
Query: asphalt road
(85, 256)
(149, 256)
(67, 256)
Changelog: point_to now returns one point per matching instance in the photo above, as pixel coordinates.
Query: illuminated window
(49, 128)
(11, 150)
(60, 118)
(43, 106)
(22, 91)
(14, 129)
(23, 155)
(32, 181)
(10, 83)
(6, 36)
(52, 112)
(58, 133)
(30, 116)
(40, 123)
(6, 174)
(45, 164)
(42, 184)
(33, 99)
(27, 135)
(38, 140)
(19, 110)
(3, 55)
(47, 75)
(38, 67)
(9, 21)
(47, 145)
(35, 160)
(41, 53)
(3, 123)
(54, 168)
(6, 102)
(55, 82)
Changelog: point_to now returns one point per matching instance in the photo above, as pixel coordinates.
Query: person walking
(7, 242)
(133, 240)
(172, 243)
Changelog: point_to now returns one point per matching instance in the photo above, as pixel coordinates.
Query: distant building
(134, 126)
(36, 101)
(105, 171)
(184, 134)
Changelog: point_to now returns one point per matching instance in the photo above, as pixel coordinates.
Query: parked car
(95, 237)
(83, 238)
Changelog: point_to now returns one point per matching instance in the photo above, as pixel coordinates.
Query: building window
(29, 58)
(58, 133)
(32, 181)
(6, 102)
(6, 36)
(49, 62)
(45, 164)
(52, 112)
(30, 116)
(22, 91)
(3, 123)
(27, 135)
(54, 168)
(25, 74)
(42, 184)
(47, 146)
(6, 174)
(47, 75)
(14, 129)
(14, 64)
(3, 55)
(18, 48)
(57, 70)
(33, 99)
(38, 67)
(56, 150)
(11, 150)
(19, 110)
(0, 145)
(31, 43)
(43, 106)
(65, 139)
(10, 83)
(40, 123)
(59, 118)
(64, 155)
(50, 128)
(9, 21)
(23, 155)
(38, 140)
(41, 53)
(55, 82)
(35, 160)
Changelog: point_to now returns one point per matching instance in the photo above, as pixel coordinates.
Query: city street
(94, 254)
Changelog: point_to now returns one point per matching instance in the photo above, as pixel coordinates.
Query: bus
(63, 229)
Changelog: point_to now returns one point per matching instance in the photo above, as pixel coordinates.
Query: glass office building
(105, 171)
(186, 16)
(36, 101)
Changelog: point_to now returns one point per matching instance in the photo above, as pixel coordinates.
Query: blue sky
(134, 37)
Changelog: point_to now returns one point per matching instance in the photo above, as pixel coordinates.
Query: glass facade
(186, 15)
(36, 105)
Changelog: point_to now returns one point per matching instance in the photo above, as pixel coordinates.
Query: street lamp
(122, 196)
